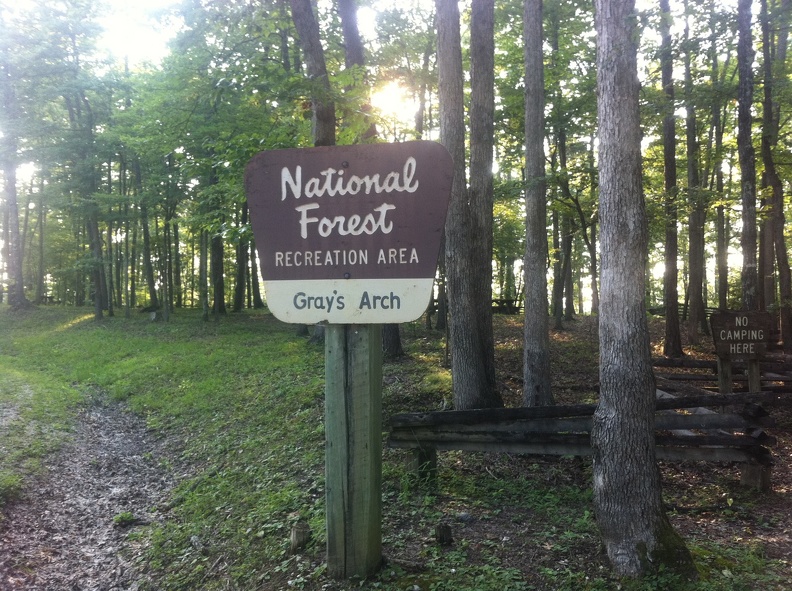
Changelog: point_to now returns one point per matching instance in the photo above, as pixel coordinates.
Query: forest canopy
(123, 181)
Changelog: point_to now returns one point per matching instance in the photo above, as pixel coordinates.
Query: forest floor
(74, 529)
(705, 501)
(69, 530)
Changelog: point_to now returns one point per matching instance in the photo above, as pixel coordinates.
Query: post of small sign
(349, 236)
(740, 336)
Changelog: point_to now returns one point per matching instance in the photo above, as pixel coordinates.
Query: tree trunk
(354, 56)
(472, 347)
(638, 536)
(536, 336)
(258, 303)
(567, 236)
(745, 149)
(41, 294)
(203, 279)
(672, 343)
(5, 251)
(722, 240)
(775, 69)
(176, 285)
(218, 276)
(148, 267)
(107, 273)
(391, 342)
(133, 267)
(8, 150)
(167, 291)
(698, 213)
(323, 107)
(241, 265)
(95, 245)
(557, 302)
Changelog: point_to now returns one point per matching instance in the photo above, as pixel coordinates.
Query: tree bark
(567, 242)
(218, 277)
(472, 350)
(747, 157)
(774, 69)
(557, 302)
(536, 337)
(722, 240)
(391, 342)
(698, 213)
(637, 534)
(324, 117)
(258, 303)
(148, 267)
(323, 107)
(241, 264)
(672, 342)
(8, 153)
(203, 279)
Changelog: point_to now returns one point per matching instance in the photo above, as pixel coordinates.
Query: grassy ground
(242, 401)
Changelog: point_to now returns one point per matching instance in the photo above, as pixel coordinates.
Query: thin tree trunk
(258, 303)
(698, 214)
(672, 342)
(41, 294)
(178, 295)
(107, 273)
(203, 279)
(745, 149)
(558, 275)
(8, 150)
(775, 69)
(167, 295)
(567, 243)
(148, 267)
(722, 240)
(5, 252)
(241, 265)
(218, 276)
(95, 245)
(536, 337)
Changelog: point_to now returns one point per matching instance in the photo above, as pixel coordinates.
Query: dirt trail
(65, 533)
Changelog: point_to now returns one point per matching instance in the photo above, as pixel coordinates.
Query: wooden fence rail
(734, 436)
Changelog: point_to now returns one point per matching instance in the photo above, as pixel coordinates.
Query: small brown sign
(741, 336)
(349, 234)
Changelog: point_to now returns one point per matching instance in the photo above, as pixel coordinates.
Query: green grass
(243, 397)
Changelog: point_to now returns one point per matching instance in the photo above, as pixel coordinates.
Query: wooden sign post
(349, 236)
(740, 336)
(353, 427)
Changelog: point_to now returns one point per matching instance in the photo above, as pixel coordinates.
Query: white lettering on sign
(742, 348)
(742, 334)
(354, 225)
(396, 256)
(331, 182)
(320, 258)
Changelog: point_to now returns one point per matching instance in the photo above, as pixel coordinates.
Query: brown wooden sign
(740, 336)
(349, 234)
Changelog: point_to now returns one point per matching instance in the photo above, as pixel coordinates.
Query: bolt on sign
(349, 234)
(741, 336)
